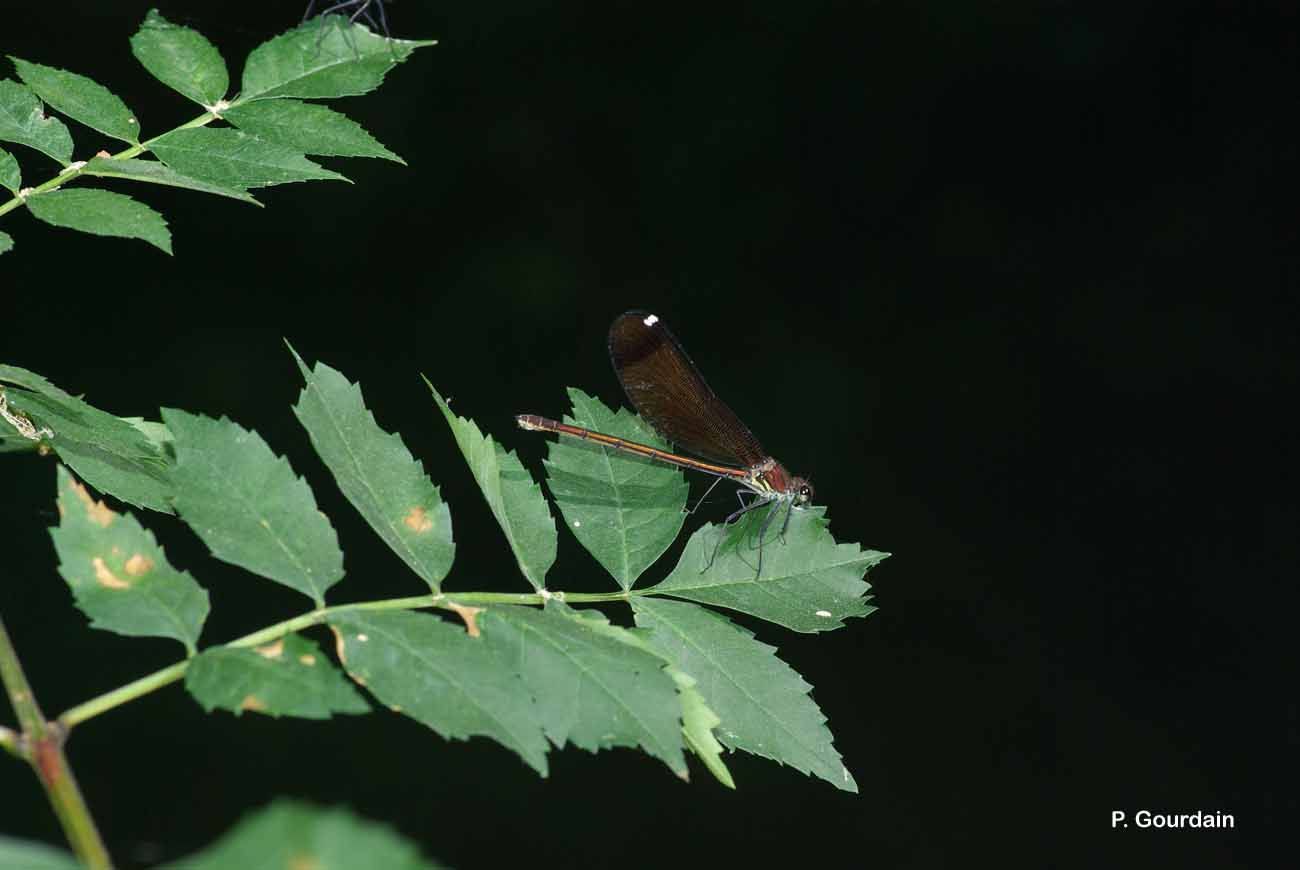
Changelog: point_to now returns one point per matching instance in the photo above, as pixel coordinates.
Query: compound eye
(805, 494)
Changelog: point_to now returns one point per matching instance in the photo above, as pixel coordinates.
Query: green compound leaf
(10, 176)
(30, 855)
(23, 120)
(808, 583)
(249, 507)
(287, 677)
(106, 451)
(119, 575)
(593, 685)
(102, 213)
(433, 671)
(623, 509)
(181, 58)
(81, 99)
(376, 472)
(289, 834)
(308, 128)
(6, 242)
(514, 497)
(322, 59)
(233, 159)
(763, 703)
(154, 172)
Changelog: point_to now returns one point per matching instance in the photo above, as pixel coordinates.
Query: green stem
(41, 744)
(69, 173)
(170, 674)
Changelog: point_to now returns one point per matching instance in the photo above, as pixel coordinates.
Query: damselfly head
(803, 491)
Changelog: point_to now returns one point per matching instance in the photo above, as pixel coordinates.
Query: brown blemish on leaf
(469, 614)
(308, 660)
(102, 153)
(107, 578)
(96, 511)
(340, 648)
(417, 520)
(252, 702)
(272, 650)
(139, 564)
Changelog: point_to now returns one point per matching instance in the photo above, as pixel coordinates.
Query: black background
(1010, 282)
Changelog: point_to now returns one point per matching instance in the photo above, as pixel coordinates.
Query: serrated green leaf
(289, 834)
(80, 98)
(308, 128)
(376, 472)
(23, 120)
(30, 855)
(155, 172)
(249, 507)
(808, 582)
(181, 58)
(119, 575)
(623, 509)
(763, 703)
(514, 497)
(287, 677)
(108, 452)
(102, 213)
(698, 722)
(10, 175)
(29, 380)
(234, 159)
(322, 59)
(6, 242)
(433, 671)
(592, 686)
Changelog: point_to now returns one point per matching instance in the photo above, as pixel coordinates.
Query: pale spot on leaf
(307, 659)
(417, 520)
(139, 564)
(362, 638)
(107, 578)
(252, 702)
(825, 614)
(272, 650)
(339, 646)
(96, 511)
(469, 614)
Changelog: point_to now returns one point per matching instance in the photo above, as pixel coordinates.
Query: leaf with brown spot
(417, 520)
(96, 511)
(119, 575)
(288, 677)
(468, 614)
(271, 650)
(376, 472)
(105, 577)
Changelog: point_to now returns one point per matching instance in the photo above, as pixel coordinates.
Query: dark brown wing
(667, 390)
